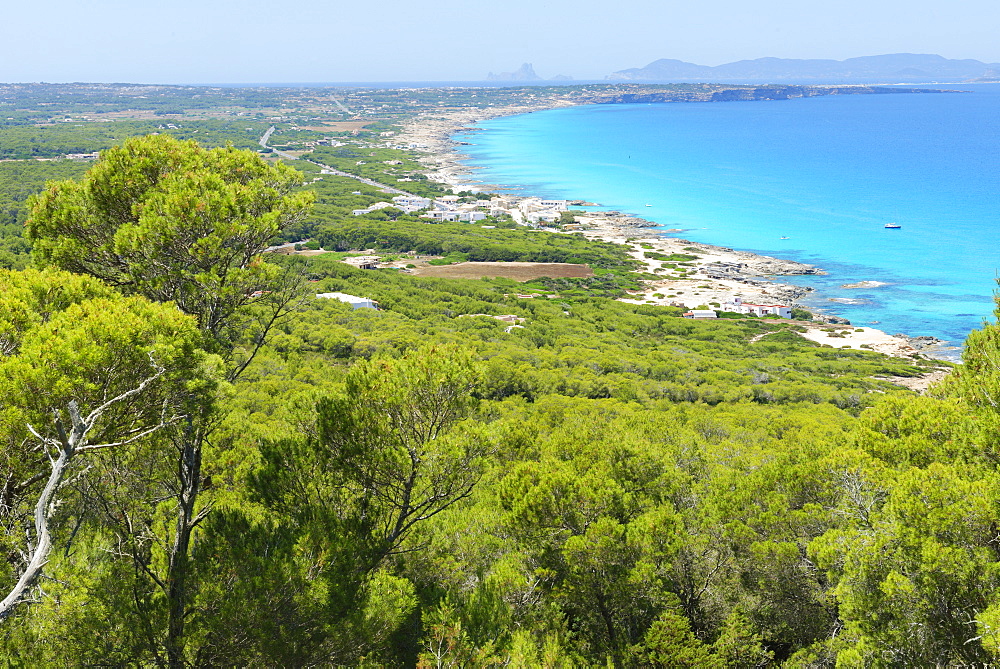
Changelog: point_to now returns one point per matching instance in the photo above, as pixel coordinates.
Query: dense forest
(19, 180)
(204, 464)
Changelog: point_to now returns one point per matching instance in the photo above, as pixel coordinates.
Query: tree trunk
(189, 477)
(43, 540)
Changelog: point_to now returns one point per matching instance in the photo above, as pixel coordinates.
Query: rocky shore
(715, 276)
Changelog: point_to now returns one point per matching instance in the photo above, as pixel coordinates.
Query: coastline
(720, 274)
(431, 133)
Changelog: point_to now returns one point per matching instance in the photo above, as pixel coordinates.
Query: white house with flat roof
(546, 216)
(371, 208)
(439, 215)
(412, 201)
(353, 300)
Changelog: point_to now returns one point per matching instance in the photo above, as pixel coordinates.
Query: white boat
(893, 226)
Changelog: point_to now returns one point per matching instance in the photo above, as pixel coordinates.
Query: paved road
(287, 156)
(267, 135)
(342, 107)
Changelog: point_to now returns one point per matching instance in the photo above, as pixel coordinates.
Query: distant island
(884, 69)
(524, 73)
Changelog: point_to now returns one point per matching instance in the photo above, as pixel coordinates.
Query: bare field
(339, 126)
(518, 271)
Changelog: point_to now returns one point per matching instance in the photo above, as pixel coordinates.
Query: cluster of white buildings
(442, 209)
(738, 306)
(526, 211)
(536, 210)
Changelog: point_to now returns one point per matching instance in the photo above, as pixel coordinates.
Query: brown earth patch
(339, 126)
(518, 271)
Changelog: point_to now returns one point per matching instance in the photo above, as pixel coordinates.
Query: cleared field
(518, 271)
(340, 126)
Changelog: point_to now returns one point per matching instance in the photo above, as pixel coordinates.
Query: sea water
(827, 173)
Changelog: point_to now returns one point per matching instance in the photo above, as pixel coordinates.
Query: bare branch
(67, 447)
(96, 413)
(202, 514)
(43, 544)
(146, 432)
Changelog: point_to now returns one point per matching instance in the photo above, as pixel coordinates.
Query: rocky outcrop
(619, 219)
(832, 320)
(524, 73)
(920, 343)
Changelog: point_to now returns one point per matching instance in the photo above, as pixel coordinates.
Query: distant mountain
(889, 68)
(524, 73)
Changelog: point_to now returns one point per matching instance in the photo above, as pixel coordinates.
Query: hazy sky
(237, 41)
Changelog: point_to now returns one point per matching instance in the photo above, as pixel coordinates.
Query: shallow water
(827, 173)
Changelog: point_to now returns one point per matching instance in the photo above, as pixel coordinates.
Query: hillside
(884, 69)
(481, 472)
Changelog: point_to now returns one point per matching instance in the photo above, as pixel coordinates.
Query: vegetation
(389, 166)
(18, 181)
(58, 139)
(672, 257)
(175, 223)
(206, 465)
(409, 233)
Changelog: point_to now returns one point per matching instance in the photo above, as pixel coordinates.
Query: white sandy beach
(757, 285)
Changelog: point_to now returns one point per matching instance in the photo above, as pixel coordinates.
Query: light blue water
(827, 172)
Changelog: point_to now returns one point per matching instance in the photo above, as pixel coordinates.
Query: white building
(371, 208)
(415, 201)
(439, 215)
(546, 216)
(700, 313)
(740, 307)
(363, 262)
(354, 301)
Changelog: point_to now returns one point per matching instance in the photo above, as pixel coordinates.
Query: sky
(258, 41)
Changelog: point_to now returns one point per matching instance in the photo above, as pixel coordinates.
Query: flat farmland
(518, 271)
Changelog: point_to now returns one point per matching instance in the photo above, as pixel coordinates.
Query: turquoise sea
(826, 172)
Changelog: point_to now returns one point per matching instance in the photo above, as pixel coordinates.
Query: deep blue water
(826, 172)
